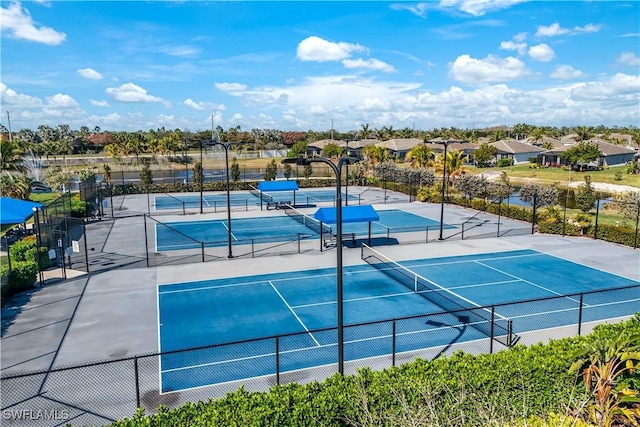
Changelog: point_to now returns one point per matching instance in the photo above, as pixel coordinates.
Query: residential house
(612, 155)
(519, 151)
(400, 147)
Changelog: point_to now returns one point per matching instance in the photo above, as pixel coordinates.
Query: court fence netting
(100, 392)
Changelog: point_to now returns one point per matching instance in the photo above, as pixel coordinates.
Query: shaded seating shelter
(16, 211)
(267, 187)
(350, 214)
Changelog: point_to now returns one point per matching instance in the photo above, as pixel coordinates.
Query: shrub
(80, 209)
(18, 251)
(41, 254)
(22, 277)
(502, 163)
(520, 386)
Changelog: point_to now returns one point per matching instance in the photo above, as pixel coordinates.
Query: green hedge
(22, 277)
(80, 209)
(504, 388)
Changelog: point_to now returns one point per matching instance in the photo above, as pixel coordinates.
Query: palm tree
(375, 153)
(584, 134)
(11, 156)
(112, 150)
(454, 163)
(420, 156)
(537, 134)
(365, 131)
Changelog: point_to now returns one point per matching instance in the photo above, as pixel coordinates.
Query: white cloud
(617, 89)
(61, 100)
(13, 98)
(478, 7)
(202, 106)
(181, 50)
(99, 103)
(628, 58)
(17, 21)
(130, 92)
(512, 45)
(541, 52)
(90, 73)
(589, 28)
(566, 72)
(316, 49)
(488, 70)
(555, 29)
(520, 37)
(369, 64)
(551, 30)
(419, 9)
(230, 87)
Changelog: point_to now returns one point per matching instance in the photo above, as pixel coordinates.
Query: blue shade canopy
(364, 213)
(15, 211)
(270, 186)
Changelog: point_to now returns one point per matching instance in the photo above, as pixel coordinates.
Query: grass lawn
(44, 198)
(519, 173)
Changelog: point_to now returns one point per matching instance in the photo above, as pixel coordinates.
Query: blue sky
(299, 65)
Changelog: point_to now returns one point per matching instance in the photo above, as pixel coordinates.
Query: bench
(332, 241)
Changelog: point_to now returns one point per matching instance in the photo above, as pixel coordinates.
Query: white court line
(479, 285)
(359, 270)
(316, 304)
(472, 260)
(526, 281)
(227, 228)
(294, 313)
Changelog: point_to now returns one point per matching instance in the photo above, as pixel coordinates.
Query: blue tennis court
(188, 234)
(192, 201)
(303, 303)
(243, 198)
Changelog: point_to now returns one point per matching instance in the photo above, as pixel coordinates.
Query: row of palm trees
(61, 141)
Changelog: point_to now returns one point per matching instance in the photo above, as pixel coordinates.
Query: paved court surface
(112, 312)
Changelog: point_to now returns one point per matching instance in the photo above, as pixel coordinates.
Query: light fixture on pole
(337, 170)
(225, 145)
(446, 143)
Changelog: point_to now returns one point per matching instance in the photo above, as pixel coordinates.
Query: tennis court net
(485, 320)
(260, 195)
(309, 221)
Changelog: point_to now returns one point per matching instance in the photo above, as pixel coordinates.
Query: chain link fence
(101, 392)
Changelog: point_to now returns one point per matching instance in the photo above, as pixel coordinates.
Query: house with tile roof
(612, 155)
(519, 151)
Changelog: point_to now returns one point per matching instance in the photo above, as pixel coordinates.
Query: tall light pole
(225, 145)
(201, 177)
(346, 185)
(38, 243)
(446, 143)
(337, 170)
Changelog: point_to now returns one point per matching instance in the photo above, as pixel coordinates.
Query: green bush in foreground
(522, 386)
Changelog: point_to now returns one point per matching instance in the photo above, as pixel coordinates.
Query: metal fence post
(202, 250)
(493, 317)
(84, 236)
(146, 239)
(595, 229)
(580, 314)
(393, 344)
(137, 374)
(277, 360)
(635, 237)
